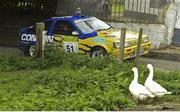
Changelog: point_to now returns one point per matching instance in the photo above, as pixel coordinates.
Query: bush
(68, 86)
(54, 58)
(65, 81)
(65, 89)
(13, 63)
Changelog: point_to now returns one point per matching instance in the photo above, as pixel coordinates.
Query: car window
(84, 27)
(97, 24)
(32, 29)
(64, 28)
(91, 24)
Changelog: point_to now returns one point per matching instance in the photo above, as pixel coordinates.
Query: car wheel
(32, 51)
(98, 52)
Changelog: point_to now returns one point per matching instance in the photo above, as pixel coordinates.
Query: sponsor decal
(99, 40)
(28, 37)
(32, 38)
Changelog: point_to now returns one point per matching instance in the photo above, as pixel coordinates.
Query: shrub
(65, 81)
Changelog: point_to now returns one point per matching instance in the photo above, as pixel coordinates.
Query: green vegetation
(117, 8)
(72, 82)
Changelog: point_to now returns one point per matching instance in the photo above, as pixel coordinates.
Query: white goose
(138, 91)
(153, 86)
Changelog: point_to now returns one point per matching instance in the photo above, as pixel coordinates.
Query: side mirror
(75, 33)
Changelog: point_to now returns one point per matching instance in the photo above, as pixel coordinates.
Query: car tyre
(32, 51)
(98, 52)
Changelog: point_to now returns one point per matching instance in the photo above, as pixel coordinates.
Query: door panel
(63, 36)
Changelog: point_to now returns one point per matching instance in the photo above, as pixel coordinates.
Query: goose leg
(136, 100)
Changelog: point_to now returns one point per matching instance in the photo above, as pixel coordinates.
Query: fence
(9, 35)
(141, 11)
(17, 13)
(38, 7)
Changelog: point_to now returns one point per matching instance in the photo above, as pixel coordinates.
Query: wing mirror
(75, 33)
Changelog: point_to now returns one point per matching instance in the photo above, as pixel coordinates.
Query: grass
(63, 89)
(73, 82)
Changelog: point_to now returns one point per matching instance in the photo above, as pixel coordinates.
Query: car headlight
(117, 44)
(127, 44)
(146, 39)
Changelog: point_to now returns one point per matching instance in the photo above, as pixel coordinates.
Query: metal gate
(176, 38)
(140, 11)
(98, 8)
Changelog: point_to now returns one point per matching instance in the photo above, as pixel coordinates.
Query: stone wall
(159, 34)
(170, 21)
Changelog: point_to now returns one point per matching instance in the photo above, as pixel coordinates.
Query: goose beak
(134, 68)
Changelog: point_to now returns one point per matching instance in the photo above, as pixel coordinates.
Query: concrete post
(139, 45)
(170, 21)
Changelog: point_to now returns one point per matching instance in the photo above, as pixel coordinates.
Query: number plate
(71, 47)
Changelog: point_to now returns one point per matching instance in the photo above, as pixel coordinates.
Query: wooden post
(122, 42)
(138, 45)
(40, 39)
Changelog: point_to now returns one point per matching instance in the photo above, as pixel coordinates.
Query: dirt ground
(171, 106)
(9, 51)
(162, 65)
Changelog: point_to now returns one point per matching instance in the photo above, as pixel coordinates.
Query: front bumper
(24, 45)
(130, 52)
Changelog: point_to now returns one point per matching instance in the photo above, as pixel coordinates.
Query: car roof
(70, 18)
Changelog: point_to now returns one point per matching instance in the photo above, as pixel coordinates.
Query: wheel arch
(99, 46)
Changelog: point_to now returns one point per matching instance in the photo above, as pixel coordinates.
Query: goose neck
(151, 74)
(135, 77)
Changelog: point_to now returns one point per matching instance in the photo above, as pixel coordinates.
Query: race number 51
(71, 47)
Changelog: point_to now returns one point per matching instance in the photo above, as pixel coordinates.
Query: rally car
(82, 34)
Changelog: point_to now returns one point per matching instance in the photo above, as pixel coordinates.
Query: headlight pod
(146, 39)
(117, 44)
(127, 44)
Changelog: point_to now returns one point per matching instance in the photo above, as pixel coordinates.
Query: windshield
(91, 25)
